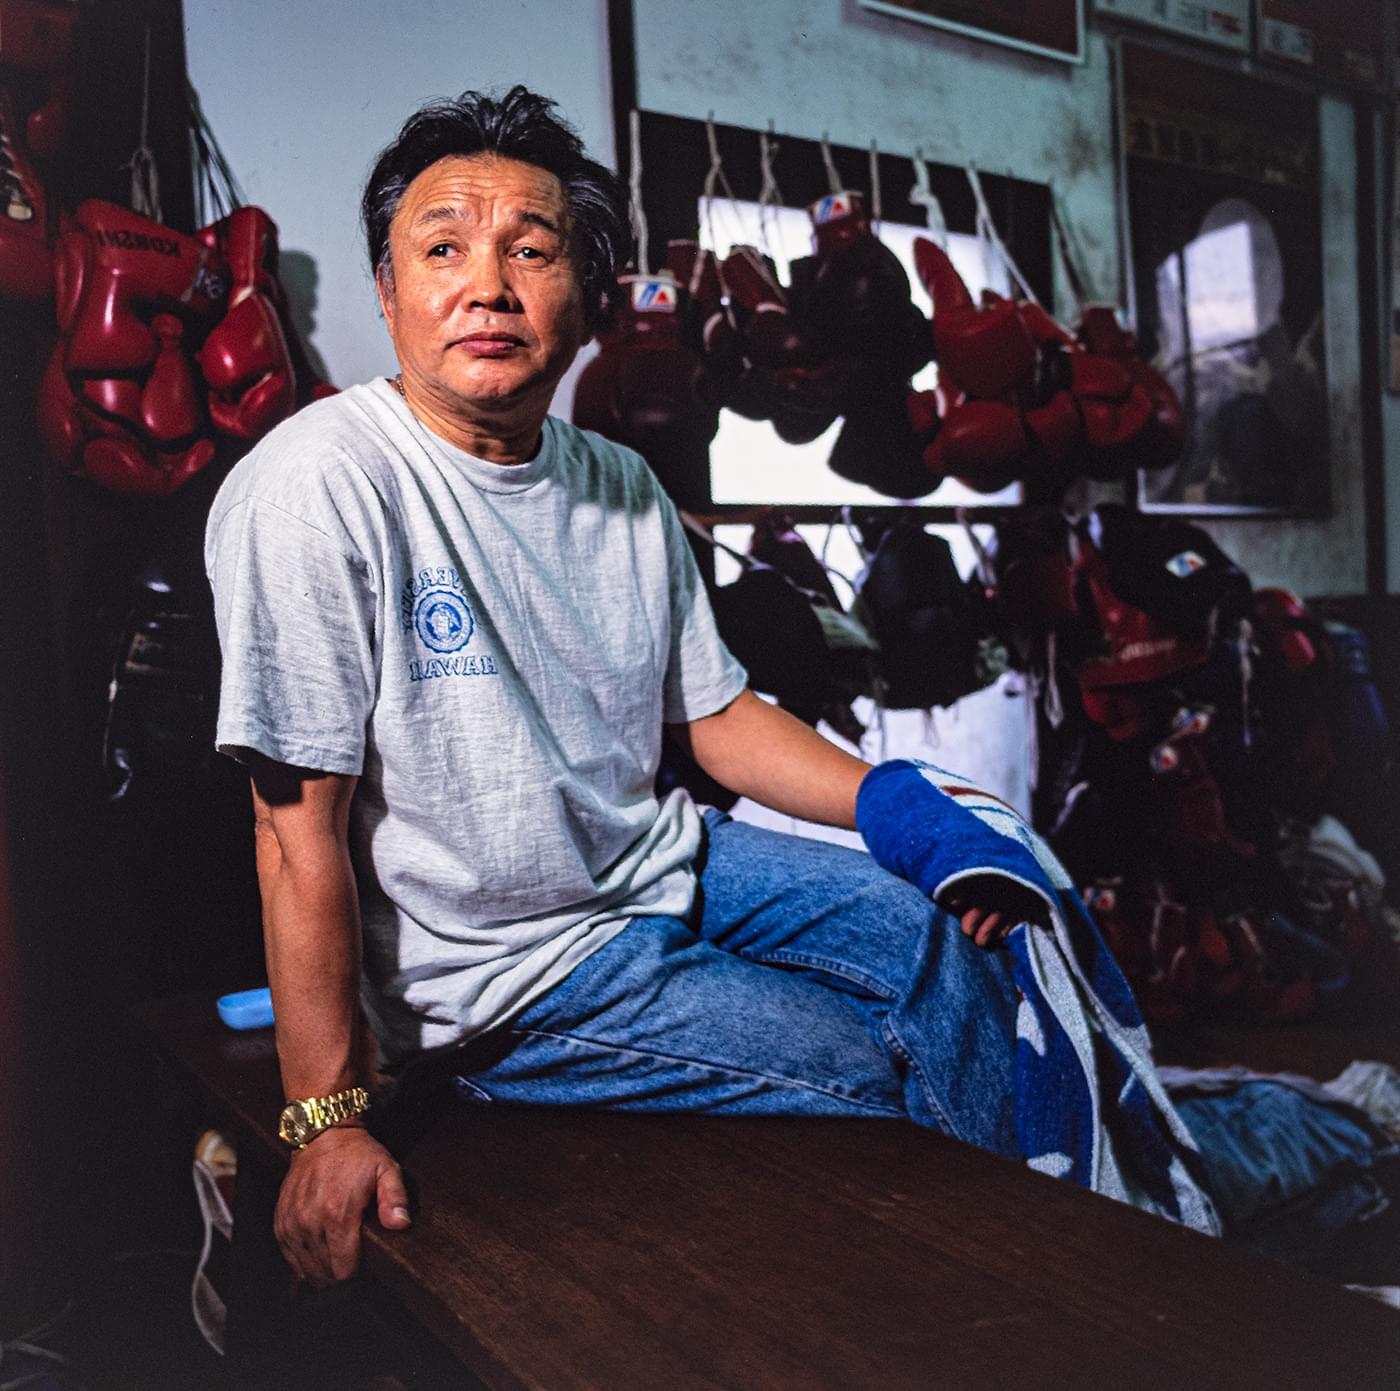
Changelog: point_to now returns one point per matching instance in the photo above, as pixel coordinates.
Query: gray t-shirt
(493, 649)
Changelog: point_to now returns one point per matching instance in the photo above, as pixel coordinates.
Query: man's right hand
(328, 1187)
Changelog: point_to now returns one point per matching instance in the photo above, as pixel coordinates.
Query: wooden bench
(559, 1249)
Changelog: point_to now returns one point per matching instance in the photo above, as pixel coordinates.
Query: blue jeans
(805, 981)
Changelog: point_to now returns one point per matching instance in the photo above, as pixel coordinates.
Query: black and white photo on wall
(1224, 236)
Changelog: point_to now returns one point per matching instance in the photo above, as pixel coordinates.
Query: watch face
(295, 1125)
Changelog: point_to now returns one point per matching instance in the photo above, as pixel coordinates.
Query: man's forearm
(311, 926)
(762, 752)
(311, 929)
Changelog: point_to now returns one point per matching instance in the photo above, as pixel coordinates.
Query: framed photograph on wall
(1051, 28)
(1225, 242)
(1223, 23)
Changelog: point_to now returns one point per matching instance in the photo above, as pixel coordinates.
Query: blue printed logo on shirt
(433, 606)
(443, 620)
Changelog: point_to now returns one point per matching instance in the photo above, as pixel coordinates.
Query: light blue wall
(303, 95)
(814, 66)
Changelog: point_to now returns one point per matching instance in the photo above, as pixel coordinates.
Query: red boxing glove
(982, 443)
(1161, 442)
(707, 327)
(37, 38)
(1282, 619)
(786, 379)
(120, 403)
(1116, 415)
(983, 352)
(998, 364)
(246, 359)
(36, 59)
(640, 390)
(24, 243)
(772, 338)
(91, 437)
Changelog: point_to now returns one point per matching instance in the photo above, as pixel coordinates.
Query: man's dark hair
(522, 126)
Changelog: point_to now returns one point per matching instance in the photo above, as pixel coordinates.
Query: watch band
(327, 1111)
(307, 1117)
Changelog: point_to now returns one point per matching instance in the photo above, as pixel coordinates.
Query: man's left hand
(989, 906)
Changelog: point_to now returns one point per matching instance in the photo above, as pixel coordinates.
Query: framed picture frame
(1220, 23)
(1224, 240)
(1048, 28)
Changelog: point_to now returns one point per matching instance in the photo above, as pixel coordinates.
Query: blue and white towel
(1089, 1106)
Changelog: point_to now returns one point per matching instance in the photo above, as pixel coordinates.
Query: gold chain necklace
(397, 384)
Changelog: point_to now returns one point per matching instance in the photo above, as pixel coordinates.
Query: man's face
(484, 305)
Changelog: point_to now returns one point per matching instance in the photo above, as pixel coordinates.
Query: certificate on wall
(1337, 40)
(1051, 28)
(1225, 230)
(1224, 23)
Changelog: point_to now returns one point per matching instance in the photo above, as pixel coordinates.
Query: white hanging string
(987, 230)
(216, 191)
(1074, 278)
(982, 562)
(1054, 703)
(145, 181)
(833, 179)
(639, 217)
(714, 177)
(876, 202)
(747, 561)
(922, 195)
(770, 196)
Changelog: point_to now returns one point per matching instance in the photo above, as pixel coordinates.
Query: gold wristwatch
(303, 1121)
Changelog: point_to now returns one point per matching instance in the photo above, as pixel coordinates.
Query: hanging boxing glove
(113, 270)
(246, 359)
(777, 542)
(640, 389)
(983, 352)
(1003, 369)
(707, 328)
(118, 403)
(97, 436)
(36, 80)
(786, 378)
(1100, 333)
(983, 444)
(170, 405)
(857, 303)
(24, 249)
(882, 445)
(1116, 414)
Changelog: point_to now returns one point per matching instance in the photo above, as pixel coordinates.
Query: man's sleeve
(702, 675)
(296, 617)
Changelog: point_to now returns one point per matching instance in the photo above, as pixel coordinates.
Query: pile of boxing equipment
(1205, 747)
(1019, 398)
